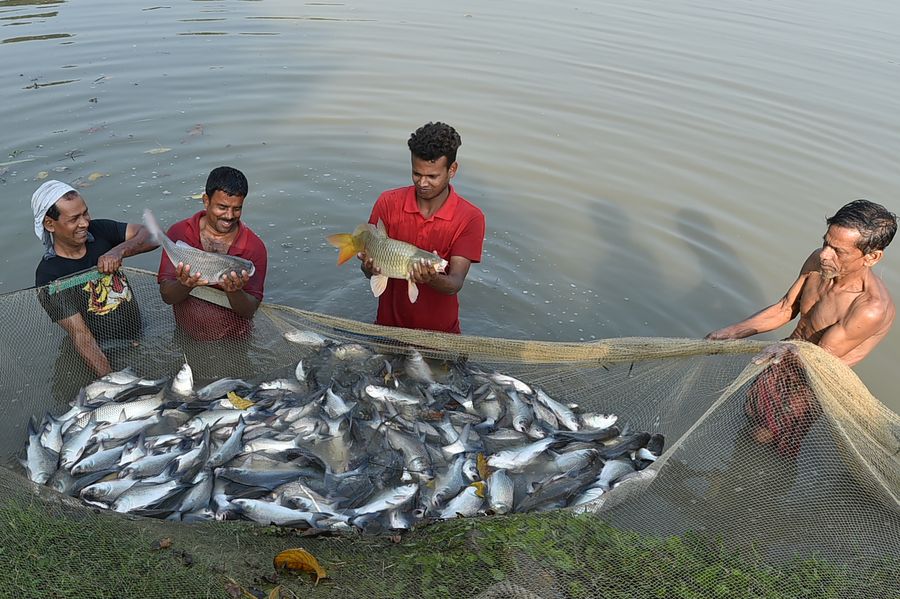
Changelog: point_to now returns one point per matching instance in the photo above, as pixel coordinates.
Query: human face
(839, 255)
(71, 228)
(223, 212)
(431, 177)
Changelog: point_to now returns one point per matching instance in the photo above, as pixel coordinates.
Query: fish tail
(345, 243)
(152, 226)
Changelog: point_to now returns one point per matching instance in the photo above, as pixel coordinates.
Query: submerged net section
(778, 479)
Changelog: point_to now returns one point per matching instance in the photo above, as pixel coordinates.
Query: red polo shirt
(456, 229)
(202, 320)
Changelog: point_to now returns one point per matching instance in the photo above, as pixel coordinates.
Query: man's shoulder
(107, 228)
(875, 303)
(397, 194)
(469, 209)
(46, 271)
(253, 239)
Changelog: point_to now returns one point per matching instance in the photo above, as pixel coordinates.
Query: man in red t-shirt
(430, 215)
(218, 229)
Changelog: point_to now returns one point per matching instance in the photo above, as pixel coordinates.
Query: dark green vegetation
(552, 555)
(53, 557)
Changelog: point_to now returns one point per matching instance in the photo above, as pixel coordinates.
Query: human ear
(873, 257)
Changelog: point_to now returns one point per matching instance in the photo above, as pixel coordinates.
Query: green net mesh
(776, 480)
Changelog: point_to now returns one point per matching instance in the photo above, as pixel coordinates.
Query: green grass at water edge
(555, 554)
(47, 556)
(580, 556)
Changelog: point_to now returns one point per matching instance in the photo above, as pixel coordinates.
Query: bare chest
(214, 244)
(822, 305)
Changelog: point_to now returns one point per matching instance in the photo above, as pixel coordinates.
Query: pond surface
(646, 168)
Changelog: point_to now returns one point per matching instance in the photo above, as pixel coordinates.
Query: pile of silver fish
(349, 439)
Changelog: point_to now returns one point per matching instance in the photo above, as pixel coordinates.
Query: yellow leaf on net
(300, 559)
(484, 471)
(42, 175)
(239, 402)
(95, 176)
(274, 593)
(158, 151)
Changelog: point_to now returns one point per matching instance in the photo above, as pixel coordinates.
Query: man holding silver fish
(98, 308)
(216, 229)
(432, 216)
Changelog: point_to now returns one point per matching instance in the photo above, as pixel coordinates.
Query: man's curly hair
(431, 141)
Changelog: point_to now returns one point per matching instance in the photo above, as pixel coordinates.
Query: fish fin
(413, 292)
(343, 242)
(381, 229)
(378, 283)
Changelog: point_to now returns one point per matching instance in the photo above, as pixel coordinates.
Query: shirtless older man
(843, 307)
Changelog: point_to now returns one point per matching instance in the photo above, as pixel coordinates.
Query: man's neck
(73, 252)
(427, 208)
(854, 282)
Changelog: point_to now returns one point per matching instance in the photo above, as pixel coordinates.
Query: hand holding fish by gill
(392, 258)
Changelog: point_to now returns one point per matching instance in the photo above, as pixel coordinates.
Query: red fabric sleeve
(378, 211)
(469, 243)
(256, 253)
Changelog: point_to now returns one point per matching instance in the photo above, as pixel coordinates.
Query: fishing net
(778, 479)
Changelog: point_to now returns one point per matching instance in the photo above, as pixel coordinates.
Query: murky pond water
(645, 168)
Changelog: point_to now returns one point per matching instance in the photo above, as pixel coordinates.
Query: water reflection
(712, 254)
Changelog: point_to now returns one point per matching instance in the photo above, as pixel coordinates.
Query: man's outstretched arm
(772, 317)
(137, 241)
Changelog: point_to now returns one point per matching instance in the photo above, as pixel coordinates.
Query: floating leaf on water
(239, 402)
(41, 176)
(300, 559)
(195, 130)
(95, 176)
(197, 196)
(158, 151)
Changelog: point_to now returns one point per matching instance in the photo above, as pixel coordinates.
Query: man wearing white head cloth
(101, 307)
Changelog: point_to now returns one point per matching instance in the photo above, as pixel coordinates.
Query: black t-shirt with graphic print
(106, 303)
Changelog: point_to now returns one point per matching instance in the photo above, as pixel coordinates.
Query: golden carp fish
(392, 257)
